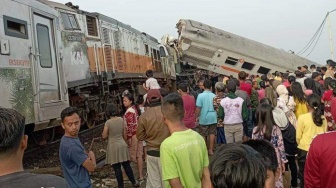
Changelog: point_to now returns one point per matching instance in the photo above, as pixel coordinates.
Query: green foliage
(22, 98)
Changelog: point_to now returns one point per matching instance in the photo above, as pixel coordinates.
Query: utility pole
(330, 38)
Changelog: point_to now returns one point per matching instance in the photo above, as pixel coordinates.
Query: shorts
(206, 130)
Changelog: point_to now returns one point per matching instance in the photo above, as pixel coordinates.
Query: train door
(46, 68)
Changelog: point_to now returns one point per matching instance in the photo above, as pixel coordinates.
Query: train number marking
(4, 47)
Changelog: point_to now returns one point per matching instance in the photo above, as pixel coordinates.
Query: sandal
(141, 180)
(137, 184)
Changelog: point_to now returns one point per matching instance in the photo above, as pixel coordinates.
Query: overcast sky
(285, 24)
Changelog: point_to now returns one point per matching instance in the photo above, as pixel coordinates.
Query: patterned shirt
(216, 103)
(131, 117)
(254, 99)
(277, 142)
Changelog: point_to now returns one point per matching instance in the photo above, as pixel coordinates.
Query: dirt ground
(104, 177)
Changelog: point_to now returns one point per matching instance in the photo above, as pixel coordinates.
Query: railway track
(56, 142)
(44, 157)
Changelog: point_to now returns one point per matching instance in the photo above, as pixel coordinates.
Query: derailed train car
(203, 47)
(54, 55)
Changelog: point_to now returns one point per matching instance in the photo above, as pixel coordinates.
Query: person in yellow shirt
(278, 76)
(299, 99)
(308, 126)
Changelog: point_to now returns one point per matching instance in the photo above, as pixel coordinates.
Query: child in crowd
(267, 129)
(269, 158)
(151, 83)
(237, 165)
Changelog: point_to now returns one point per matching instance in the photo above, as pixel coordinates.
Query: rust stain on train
(121, 61)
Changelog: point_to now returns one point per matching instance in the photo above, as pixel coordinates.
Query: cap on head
(154, 95)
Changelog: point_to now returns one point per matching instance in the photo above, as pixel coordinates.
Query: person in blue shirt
(75, 162)
(206, 115)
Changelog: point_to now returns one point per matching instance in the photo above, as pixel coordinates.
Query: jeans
(302, 155)
(129, 172)
(293, 169)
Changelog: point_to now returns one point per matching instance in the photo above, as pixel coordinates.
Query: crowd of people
(250, 131)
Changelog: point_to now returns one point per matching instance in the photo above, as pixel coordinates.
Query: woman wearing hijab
(286, 103)
(289, 138)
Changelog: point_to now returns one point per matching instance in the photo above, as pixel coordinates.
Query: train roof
(38, 5)
(57, 5)
(125, 26)
(231, 42)
(100, 17)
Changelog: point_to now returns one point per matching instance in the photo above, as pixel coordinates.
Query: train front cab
(32, 80)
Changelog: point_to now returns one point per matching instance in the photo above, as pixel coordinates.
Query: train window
(263, 70)
(91, 26)
(15, 27)
(146, 48)
(43, 41)
(247, 66)
(162, 52)
(231, 61)
(154, 53)
(69, 21)
(158, 55)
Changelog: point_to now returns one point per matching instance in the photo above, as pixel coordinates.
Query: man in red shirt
(189, 106)
(243, 85)
(320, 167)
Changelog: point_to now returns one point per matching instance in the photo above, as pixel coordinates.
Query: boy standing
(183, 155)
(206, 115)
(235, 111)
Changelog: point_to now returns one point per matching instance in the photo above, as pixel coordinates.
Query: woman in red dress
(326, 99)
(131, 124)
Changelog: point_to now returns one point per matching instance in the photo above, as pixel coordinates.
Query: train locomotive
(54, 55)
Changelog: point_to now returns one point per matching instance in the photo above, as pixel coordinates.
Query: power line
(319, 30)
(313, 38)
(316, 42)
